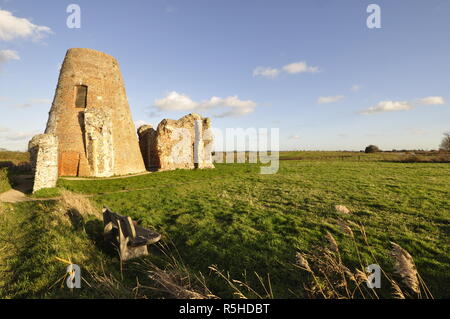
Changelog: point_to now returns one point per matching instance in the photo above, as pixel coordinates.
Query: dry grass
(332, 279)
(405, 267)
(242, 289)
(113, 287)
(75, 208)
(173, 281)
(73, 201)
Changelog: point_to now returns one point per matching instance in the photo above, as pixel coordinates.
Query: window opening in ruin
(81, 96)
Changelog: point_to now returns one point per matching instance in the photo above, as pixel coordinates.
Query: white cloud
(175, 101)
(329, 99)
(33, 101)
(12, 27)
(7, 134)
(388, 106)
(293, 68)
(7, 55)
(15, 140)
(236, 112)
(417, 131)
(39, 101)
(355, 88)
(231, 101)
(19, 136)
(432, 100)
(300, 67)
(23, 105)
(266, 72)
(294, 137)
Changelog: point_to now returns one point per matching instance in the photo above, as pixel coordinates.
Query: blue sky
(311, 68)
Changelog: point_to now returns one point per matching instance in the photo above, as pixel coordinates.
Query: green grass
(33, 236)
(240, 220)
(4, 180)
(406, 156)
(46, 193)
(243, 221)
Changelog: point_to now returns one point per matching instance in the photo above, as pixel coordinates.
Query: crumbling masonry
(44, 160)
(185, 143)
(90, 131)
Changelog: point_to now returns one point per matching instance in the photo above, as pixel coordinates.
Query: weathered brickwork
(90, 131)
(93, 147)
(185, 143)
(43, 150)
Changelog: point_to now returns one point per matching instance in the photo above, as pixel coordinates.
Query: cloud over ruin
(12, 27)
(174, 101)
(292, 68)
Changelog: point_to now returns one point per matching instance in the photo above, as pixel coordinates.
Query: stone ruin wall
(147, 144)
(105, 90)
(43, 150)
(99, 141)
(185, 143)
(208, 144)
(99, 138)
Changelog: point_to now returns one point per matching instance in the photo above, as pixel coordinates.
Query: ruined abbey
(90, 132)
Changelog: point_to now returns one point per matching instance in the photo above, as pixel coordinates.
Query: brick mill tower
(91, 119)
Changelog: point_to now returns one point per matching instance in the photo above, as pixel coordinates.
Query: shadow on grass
(40, 239)
(19, 176)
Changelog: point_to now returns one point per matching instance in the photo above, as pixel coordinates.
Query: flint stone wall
(185, 143)
(43, 150)
(147, 144)
(99, 141)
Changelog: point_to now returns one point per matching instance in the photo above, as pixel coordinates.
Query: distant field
(11, 164)
(407, 156)
(13, 157)
(242, 221)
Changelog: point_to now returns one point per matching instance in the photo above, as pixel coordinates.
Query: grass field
(242, 222)
(14, 157)
(4, 180)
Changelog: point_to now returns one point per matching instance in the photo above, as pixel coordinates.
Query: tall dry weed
(331, 278)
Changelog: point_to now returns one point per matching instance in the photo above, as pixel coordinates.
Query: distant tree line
(445, 144)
